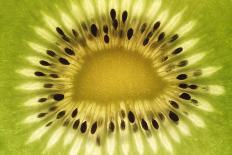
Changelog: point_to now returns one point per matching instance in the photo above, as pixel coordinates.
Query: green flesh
(214, 28)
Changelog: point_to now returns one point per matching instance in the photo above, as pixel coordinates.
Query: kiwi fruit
(115, 77)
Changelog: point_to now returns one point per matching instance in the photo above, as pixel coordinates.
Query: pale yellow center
(117, 75)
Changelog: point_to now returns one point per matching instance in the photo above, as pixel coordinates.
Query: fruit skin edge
(218, 144)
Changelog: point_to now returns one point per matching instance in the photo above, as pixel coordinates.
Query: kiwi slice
(115, 77)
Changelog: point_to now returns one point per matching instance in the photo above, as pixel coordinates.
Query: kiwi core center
(116, 75)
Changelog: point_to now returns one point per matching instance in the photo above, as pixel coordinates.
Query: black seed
(40, 115)
(182, 77)
(174, 104)
(111, 126)
(149, 34)
(173, 116)
(60, 114)
(131, 117)
(74, 33)
(197, 73)
(48, 85)
(155, 124)
(65, 38)
(194, 101)
(121, 34)
(60, 31)
(193, 86)
(83, 127)
(74, 113)
(135, 127)
(161, 37)
(105, 29)
(173, 38)
(185, 96)
(64, 61)
(113, 14)
(183, 85)
(66, 123)
(164, 59)
(177, 50)
(98, 141)
(183, 63)
(161, 116)
(48, 124)
(146, 41)
(52, 108)
(94, 30)
(124, 16)
(44, 63)
(94, 128)
(54, 75)
(123, 125)
(123, 113)
(42, 100)
(69, 51)
(39, 73)
(143, 28)
(115, 24)
(51, 53)
(106, 39)
(156, 26)
(130, 33)
(144, 124)
(76, 124)
(58, 97)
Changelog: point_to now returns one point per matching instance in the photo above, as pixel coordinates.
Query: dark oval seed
(74, 113)
(161, 37)
(124, 16)
(130, 33)
(161, 116)
(74, 33)
(131, 117)
(48, 124)
(155, 124)
(115, 24)
(44, 63)
(60, 114)
(48, 85)
(40, 115)
(51, 53)
(193, 86)
(143, 27)
(123, 125)
(54, 75)
(64, 61)
(177, 50)
(183, 85)
(42, 100)
(76, 124)
(173, 116)
(94, 30)
(185, 96)
(106, 39)
(111, 126)
(83, 127)
(105, 28)
(69, 51)
(175, 37)
(174, 104)
(183, 63)
(146, 41)
(144, 124)
(52, 108)
(149, 34)
(156, 26)
(113, 14)
(60, 31)
(94, 128)
(39, 73)
(58, 97)
(182, 77)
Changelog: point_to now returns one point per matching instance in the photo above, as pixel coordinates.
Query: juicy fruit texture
(83, 123)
